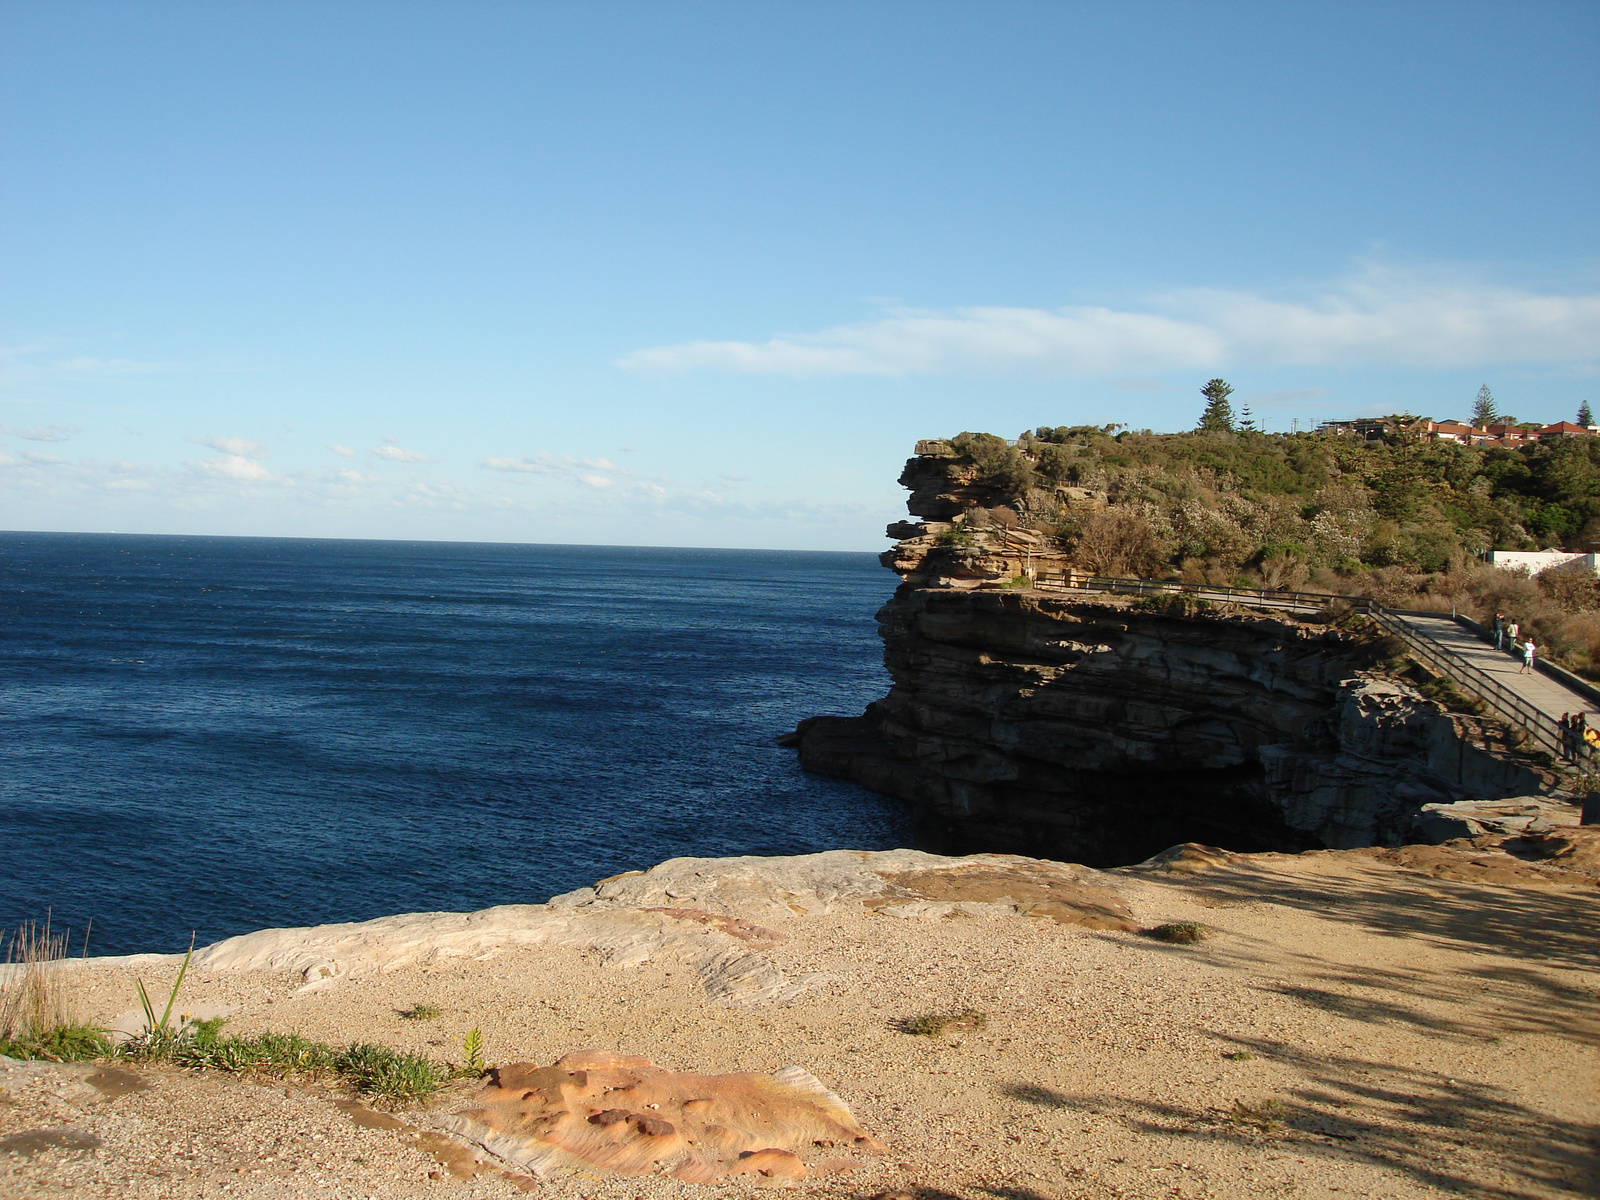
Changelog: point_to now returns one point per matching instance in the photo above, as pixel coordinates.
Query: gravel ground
(1350, 1028)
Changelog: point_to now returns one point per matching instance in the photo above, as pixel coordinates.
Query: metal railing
(1541, 728)
(1510, 707)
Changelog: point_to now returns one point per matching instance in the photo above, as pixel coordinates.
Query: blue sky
(701, 273)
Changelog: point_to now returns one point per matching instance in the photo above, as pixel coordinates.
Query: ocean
(213, 735)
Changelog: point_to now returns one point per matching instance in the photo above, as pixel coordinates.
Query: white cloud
(548, 464)
(235, 466)
(6, 461)
(234, 447)
(343, 451)
(46, 459)
(396, 454)
(358, 477)
(1377, 317)
(39, 433)
(596, 481)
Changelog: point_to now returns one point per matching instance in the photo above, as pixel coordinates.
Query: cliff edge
(1102, 730)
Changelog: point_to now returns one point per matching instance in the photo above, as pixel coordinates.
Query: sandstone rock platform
(1401, 1024)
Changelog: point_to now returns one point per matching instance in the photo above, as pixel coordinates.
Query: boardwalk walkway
(1544, 693)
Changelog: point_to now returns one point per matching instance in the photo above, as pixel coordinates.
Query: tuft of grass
(1239, 1056)
(1266, 1116)
(421, 1012)
(388, 1075)
(37, 1019)
(384, 1075)
(933, 1024)
(1180, 933)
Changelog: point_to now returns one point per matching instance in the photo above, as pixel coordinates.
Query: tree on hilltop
(1585, 414)
(1218, 416)
(1483, 410)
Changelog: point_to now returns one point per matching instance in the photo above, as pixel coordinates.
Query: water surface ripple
(226, 734)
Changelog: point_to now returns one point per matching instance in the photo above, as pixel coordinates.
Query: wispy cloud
(547, 464)
(1378, 317)
(42, 459)
(234, 466)
(343, 451)
(237, 447)
(42, 433)
(397, 454)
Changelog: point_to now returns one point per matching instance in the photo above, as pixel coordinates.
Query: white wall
(1539, 560)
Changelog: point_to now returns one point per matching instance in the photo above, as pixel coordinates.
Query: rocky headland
(1101, 729)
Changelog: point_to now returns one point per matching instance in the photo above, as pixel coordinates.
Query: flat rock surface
(1349, 1024)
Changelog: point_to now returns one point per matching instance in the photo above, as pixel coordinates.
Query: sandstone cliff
(1102, 731)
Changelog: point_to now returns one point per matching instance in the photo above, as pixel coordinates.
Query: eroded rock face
(615, 1114)
(1103, 732)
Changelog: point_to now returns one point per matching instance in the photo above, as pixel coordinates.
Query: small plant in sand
(421, 1012)
(1239, 1056)
(36, 1013)
(472, 1045)
(1264, 1116)
(933, 1024)
(158, 1030)
(377, 1072)
(1180, 933)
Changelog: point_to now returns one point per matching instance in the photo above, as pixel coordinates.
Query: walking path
(1544, 693)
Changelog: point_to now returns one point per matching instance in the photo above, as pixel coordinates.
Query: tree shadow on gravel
(1517, 933)
(1443, 1132)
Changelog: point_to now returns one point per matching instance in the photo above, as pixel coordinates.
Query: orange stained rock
(623, 1115)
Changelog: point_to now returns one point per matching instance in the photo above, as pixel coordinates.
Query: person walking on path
(1499, 630)
(1512, 629)
(1528, 649)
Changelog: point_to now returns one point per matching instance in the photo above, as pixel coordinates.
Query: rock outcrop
(1102, 730)
(701, 912)
(616, 1114)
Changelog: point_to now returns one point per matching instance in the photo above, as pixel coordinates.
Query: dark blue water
(224, 734)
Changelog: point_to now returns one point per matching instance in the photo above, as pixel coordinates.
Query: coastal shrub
(1399, 519)
(421, 1012)
(933, 1024)
(1180, 933)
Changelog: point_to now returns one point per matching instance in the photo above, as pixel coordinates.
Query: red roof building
(1562, 429)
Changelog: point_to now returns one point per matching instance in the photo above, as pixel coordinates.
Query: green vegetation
(933, 1024)
(36, 1011)
(421, 1012)
(36, 1021)
(1401, 519)
(392, 1076)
